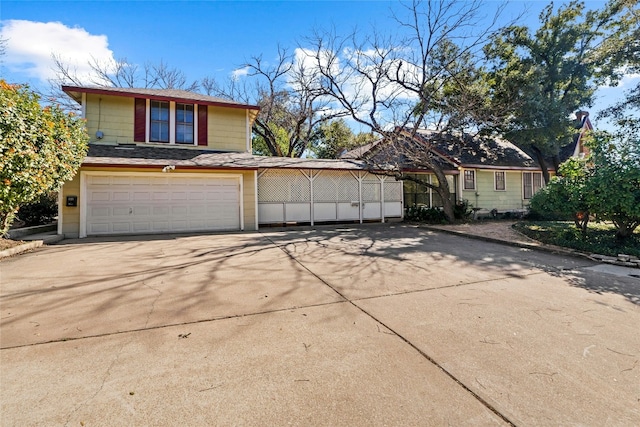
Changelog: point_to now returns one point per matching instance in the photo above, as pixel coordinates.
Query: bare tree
(424, 76)
(119, 73)
(291, 99)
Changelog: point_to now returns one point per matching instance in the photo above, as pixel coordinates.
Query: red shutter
(140, 120)
(202, 125)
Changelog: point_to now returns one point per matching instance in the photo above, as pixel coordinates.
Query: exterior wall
(71, 215)
(227, 129)
(115, 116)
(486, 197)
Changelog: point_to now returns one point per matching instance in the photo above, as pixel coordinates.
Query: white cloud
(30, 46)
(240, 72)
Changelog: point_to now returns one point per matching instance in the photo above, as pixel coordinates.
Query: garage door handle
(130, 211)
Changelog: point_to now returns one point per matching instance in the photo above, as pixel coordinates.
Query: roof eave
(76, 91)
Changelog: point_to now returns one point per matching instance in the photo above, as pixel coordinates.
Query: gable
(165, 117)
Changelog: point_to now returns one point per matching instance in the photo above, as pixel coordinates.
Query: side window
(469, 180)
(531, 183)
(499, 180)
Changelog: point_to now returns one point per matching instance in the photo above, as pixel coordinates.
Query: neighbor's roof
(158, 94)
(477, 151)
(468, 151)
(131, 155)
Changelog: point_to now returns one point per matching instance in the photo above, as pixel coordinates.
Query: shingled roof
(454, 151)
(132, 155)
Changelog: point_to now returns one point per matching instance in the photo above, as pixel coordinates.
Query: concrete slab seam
(194, 322)
(394, 332)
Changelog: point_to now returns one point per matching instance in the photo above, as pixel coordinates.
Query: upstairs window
(159, 122)
(184, 124)
(469, 180)
(170, 122)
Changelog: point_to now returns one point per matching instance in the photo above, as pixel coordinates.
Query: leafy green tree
(332, 138)
(605, 184)
(612, 188)
(40, 149)
(564, 197)
(547, 75)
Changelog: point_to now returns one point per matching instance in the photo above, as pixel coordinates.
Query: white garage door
(125, 204)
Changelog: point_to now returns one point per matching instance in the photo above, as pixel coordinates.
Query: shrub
(41, 211)
(422, 213)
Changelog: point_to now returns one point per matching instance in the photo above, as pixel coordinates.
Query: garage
(130, 203)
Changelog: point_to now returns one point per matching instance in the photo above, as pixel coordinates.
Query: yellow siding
(113, 115)
(71, 215)
(227, 129)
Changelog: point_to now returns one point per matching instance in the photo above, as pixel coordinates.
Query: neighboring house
(175, 161)
(492, 174)
(488, 172)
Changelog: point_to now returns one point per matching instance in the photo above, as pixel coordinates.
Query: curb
(31, 245)
(21, 248)
(537, 246)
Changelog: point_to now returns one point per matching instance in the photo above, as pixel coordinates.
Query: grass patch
(600, 237)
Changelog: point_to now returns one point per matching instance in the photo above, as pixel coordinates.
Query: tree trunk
(543, 164)
(445, 194)
(6, 219)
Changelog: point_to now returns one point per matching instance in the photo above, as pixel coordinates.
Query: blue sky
(203, 38)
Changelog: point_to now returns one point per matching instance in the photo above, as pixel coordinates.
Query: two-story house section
(161, 161)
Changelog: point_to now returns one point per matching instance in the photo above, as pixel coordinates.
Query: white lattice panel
(335, 186)
(371, 191)
(392, 191)
(277, 185)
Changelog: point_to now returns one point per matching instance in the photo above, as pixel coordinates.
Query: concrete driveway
(367, 325)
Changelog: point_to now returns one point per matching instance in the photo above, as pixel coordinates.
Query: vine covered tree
(40, 149)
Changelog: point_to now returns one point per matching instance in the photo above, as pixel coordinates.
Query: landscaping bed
(600, 237)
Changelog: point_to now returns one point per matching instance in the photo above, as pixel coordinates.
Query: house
(164, 161)
(491, 173)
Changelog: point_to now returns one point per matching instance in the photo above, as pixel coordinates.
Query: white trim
(255, 184)
(464, 180)
(495, 181)
(195, 124)
(382, 179)
(147, 121)
(83, 205)
(172, 122)
(240, 198)
(83, 190)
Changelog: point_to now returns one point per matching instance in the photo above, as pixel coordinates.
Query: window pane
(500, 181)
(469, 180)
(159, 126)
(184, 123)
(527, 184)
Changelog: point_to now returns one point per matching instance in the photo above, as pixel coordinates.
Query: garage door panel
(99, 196)
(120, 211)
(100, 211)
(121, 227)
(143, 204)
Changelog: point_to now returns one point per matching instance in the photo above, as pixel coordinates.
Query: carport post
(382, 179)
